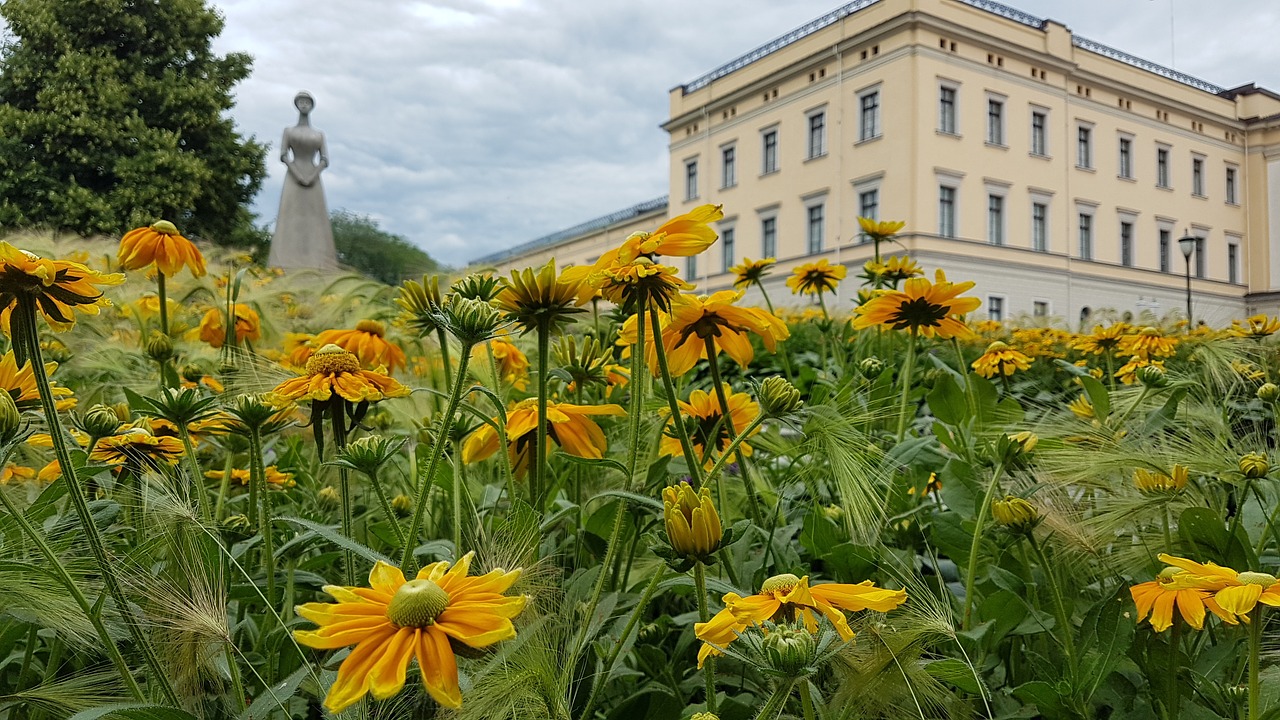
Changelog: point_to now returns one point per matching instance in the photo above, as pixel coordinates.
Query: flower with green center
(925, 308)
(334, 370)
(1237, 593)
(395, 620)
(1000, 360)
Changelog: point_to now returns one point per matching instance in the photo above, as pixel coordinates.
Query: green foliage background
(381, 255)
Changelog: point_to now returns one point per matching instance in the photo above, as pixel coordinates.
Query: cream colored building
(1056, 172)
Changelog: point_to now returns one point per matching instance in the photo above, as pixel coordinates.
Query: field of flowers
(592, 493)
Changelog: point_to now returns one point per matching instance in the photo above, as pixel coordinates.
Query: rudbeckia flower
(1128, 373)
(569, 426)
(892, 270)
(709, 431)
(1148, 343)
(59, 288)
(1154, 482)
(816, 278)
(1103, 340)
(13, 473)
(162, 244)
(536, 298)
(213, 329)
(1173, 587)
(751, 271)
(20, 383)
(693, 320)
(880, 231)
(138, 449)
(1256, 327)
(681, 236)
(395, 620)
(926, 308)
(334, 370)
(272, 475)
(787, 596)
(1000, 359)
(368, 342)
(1237, 593)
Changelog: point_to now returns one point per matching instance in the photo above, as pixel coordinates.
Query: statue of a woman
(303, 237)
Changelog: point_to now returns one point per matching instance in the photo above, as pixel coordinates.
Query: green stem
(1134, 406)
(753, 503)
(233, 667)
(1175, 690)
(907, 369)
(777, 701)
(381, 492)
(80, 502)
(708, 666)
(164, 304)
(723, 460)
(806, 701)
(338, 419)
(193, 467)
(539, 485)
(972, 571)
(783, 356)
(407, 562)
(1059, 606)
(224, 487)
(258, 478)
(673, 404)
(458, 488)
(444, 353)
(1255, 662)
(618, 644)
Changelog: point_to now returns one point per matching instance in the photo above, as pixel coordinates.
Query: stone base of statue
(303, 237)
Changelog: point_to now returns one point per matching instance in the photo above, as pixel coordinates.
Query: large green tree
(114, 113)
(385, 256)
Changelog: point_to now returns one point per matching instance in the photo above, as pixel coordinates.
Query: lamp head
(1187, 244)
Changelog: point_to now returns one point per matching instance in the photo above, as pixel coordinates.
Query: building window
(1086, 236)
(1126, 158)
(691, 267)
(1233, 263)
(1166, 241)
(1231, 185)
(947, 110)
(1039, 133)
(995, 308)
(1040, 227)
(770, 139)
(1039, 308)
(690, 179)
(946, 211)
(1197, 177)
(817, 135)
(1200, 259)
(1084, 147)
(869, 204)
(995, 122)
(726, 245)
(995, 219)
(1126, 244)
(870, 115)
(769, 237)
(1162, 167)
(815, 228)
(729, 167)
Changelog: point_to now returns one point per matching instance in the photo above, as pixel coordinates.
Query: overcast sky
(468, 126)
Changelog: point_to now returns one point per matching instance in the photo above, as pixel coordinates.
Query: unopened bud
(1269, 392)
(329, 497)
(472, 321)
(10, 418)
(402, 506)
(1152, 376)
(1016, 514)
(159, 347)
(778, 397)
(871, 367)
(101, 421)
(790, 651)
(1254, 465)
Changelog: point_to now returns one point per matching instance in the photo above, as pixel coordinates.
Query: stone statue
(303, 237)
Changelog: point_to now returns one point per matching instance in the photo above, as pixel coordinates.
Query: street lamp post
(1187, 244)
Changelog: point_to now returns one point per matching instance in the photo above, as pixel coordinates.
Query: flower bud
(1015, 514)
(1158, 483)
(693, 525)
(237, 526)
(329, 497)
(705, 716)
(871, 367)
(834, 513)
(56, 351)
(10, 418)
(1026, 440)
(402, 506)
(1152, 376)
(369, 453)
(100, 421)
(159, 347)
(1269, 392)
(790, 651)
(192, 373)
(778, 397)
(1254, 465)
(471, 321)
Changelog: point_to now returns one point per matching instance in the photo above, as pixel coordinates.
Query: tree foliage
(113, 114)
(364, 246)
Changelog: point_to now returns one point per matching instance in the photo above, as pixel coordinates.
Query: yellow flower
(1103, 340)
(1015, 513)
(892, 270)
(569, 426)
(880, 231)
(695, 319)
(513, 365)
(788, 595)
(816, 278)
(59, 288)
(1248, 370)
(1148, 343)
(334, 370)
(1256, 326)
(138, 448)
(693, 525)
(298, 349)
(928, 309)
(213, 330)
(1000, 359)
(368, 342)
(1171, 588)
(751, 271)
(272, 475)
(21, 384)
(931, 486)
(1128, 373)
(1159, 483)
(537, 298)
(1237, 593)
(16, 472)
(395, 620)
(162, 244)
(681, 236)
(709, 430)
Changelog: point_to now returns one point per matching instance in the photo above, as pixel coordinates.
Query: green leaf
(1107, 635)
(276, 696)
(330, 533)
(947, 401)
(1098, 395)
(1043, 695)
(596, 462)
(1204, 530)
(134, 711)
(634, 498)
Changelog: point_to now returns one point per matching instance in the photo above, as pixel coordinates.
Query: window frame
(691, 178)
(1039, 135)
(820, 205)
(948, 222)
(1086, 232)
(1233, 259)
(1000, 303)
(1231, 184)
(1128, 225)
(769, 233)
(1040, 226)
(949, 111)
(728, 166)
(1164, 173)
(820, 115)
(769, 153)
(1084, 146)
(728, 238)
(997, 219)
(1197, 176)
(869, 131)
(1124, 156)
(996, 120)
